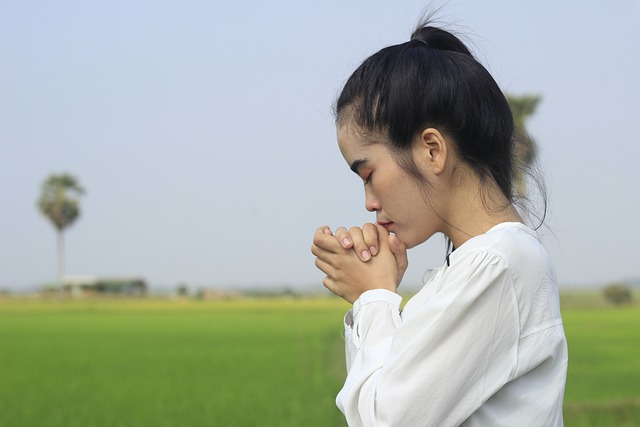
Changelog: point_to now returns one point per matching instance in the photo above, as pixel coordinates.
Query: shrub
(617, 293)
(182, 290)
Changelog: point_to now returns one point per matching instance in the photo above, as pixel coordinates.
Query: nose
(371, 203)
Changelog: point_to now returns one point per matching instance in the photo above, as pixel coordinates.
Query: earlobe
(434, 149)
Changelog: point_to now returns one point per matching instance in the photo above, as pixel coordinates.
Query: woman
(430, 133)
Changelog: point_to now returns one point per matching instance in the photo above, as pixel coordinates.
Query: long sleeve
(377, 316)
(443, 358)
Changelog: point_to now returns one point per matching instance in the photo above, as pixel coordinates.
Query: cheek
(422, 222)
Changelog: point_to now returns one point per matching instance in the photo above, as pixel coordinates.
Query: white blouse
(482, 344)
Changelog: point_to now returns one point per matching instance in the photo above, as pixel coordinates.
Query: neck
(473, 208)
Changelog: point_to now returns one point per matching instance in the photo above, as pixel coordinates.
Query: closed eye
(357, 167)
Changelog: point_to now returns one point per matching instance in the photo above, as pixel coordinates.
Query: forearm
(369, 330)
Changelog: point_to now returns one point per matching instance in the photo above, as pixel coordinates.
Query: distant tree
(183, 290)
(617, 293)
(60, 204)
(525, 150)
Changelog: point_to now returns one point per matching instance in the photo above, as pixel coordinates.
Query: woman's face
(397, 199)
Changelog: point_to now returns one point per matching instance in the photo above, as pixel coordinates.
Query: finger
(324, 266)
(330, 285)
(317, 250)
(333, 286)
(359, 245)
(399, 250)
(342, 236)
(325, 229)
(326, 241)
(383, 236)
(327, 256)
(321, 231)
(370, 233)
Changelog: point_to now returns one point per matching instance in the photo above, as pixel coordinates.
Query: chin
(408, 243)
(412, 243)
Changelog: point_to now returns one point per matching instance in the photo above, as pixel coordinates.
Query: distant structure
(213, 293)
(86, 286)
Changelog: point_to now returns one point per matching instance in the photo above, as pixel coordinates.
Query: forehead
(352, 141)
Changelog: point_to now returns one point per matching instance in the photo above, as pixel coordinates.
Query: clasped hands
(359, 259)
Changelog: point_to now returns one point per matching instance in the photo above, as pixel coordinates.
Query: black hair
(433, 80)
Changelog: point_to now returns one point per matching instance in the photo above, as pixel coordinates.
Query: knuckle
(371, 231)
(369, 227)
(319, 232)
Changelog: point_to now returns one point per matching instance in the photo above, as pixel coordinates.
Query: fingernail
(365, 255)
(373, 250)
(346, 241)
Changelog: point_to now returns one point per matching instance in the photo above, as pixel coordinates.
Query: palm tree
(525, 150)
(59, 202)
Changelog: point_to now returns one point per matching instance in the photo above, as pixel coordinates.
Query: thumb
(399, 250)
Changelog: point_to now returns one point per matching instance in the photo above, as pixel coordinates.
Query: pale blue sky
(203, 131)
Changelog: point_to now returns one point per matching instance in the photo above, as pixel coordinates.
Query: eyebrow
(356, 165)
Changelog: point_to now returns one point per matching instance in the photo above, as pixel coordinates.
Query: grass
(603, 382)
(154, 363)
(246, 362)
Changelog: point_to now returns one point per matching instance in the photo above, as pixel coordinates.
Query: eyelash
(368, 179)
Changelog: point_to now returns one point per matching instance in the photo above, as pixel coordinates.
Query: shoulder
(512, 255)
(513, 246)
(509, 240)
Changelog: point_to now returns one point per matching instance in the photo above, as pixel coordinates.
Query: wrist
(377, 295)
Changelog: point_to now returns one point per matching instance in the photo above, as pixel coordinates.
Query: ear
(433, 150)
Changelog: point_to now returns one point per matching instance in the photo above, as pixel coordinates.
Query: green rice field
(244, 362)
